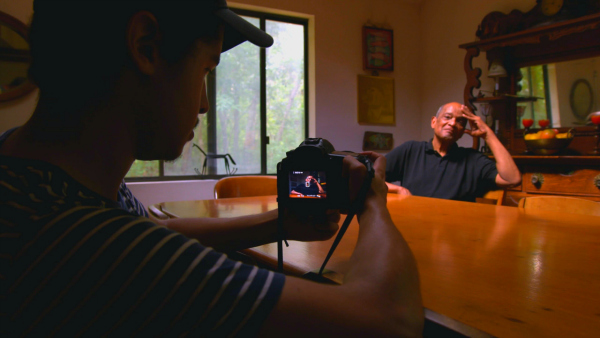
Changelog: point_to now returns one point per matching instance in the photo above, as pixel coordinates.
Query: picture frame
(376, 101)
(378, 48)
(379, 142)
(581, 99)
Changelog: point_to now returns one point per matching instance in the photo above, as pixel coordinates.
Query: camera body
(310, 177)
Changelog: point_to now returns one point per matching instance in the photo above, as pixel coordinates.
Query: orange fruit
(547, 133)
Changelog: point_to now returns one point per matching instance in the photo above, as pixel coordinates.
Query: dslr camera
(310, 178)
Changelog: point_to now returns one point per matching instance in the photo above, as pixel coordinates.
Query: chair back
(155, 211)
(571, 205)
(493, 197)
(245, 186)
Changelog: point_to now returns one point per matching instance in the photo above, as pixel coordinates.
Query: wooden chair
(571, 205)
(245, 186)
(492, 197)
(154, 210)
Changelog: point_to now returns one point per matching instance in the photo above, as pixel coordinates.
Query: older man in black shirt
(311, 187)
(440, 168)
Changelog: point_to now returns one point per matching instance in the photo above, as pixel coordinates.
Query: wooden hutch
(526, 39)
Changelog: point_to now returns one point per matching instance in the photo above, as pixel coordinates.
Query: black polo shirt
(463, 174)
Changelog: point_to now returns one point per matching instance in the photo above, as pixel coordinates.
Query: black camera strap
(356, 206)
(280, 239)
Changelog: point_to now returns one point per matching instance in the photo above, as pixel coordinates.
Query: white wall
(155, 192)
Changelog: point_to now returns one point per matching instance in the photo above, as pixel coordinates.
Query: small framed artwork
(378, 48)
(581, 99)
(378, 141)
(376, 100)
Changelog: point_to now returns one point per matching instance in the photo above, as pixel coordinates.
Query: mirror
(14, 58)
(565, 93)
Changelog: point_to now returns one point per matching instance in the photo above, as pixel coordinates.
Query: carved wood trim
(473, 81)
(571, 30)
(534, 35)
(473, 75)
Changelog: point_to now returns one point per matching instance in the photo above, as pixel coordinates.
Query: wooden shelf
(536, 35)
(556, 159)
(505, 98)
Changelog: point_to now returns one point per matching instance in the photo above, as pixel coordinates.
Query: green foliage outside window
(533, 84)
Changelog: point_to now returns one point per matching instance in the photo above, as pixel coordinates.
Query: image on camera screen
(308, 184)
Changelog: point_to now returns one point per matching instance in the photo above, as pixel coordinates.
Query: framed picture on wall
(378, 48)
(376, 100)
(375, 141)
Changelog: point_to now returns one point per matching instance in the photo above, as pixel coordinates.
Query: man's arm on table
(396, 189)
(508, 173)
(380, 295)
(394, 169)
(237, 233)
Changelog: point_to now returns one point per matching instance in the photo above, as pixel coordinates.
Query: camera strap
(280, 239)
(355, 207)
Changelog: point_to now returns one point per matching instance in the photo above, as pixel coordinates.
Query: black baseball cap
(238, 30)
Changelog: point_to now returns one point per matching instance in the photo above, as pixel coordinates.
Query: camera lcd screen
(307, 184)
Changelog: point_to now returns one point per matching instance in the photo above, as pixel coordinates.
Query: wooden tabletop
(504, 271)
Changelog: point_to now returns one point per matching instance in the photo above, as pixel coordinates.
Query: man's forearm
(383, 265)
(321, 190)
(507, 169)
(229, 234)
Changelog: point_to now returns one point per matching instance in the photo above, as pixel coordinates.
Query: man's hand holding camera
(356, 172)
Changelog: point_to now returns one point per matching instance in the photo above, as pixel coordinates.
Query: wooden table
(503, 271)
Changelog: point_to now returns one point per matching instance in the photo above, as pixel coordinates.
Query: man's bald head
(454, 106)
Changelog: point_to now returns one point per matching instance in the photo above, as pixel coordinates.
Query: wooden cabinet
(576, 176)
(523, 40)
(565, 40)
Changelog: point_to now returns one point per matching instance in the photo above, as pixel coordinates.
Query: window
(259, 108)
(534, 83)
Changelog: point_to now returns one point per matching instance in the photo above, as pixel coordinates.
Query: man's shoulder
(42, 188)
(412, 145)
(407, 148)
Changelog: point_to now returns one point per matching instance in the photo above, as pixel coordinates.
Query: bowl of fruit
(547, 141)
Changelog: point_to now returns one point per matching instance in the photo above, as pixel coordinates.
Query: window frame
(211, 115)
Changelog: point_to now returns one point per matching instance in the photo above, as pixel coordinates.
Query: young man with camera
(440, 168)
(79, 258)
